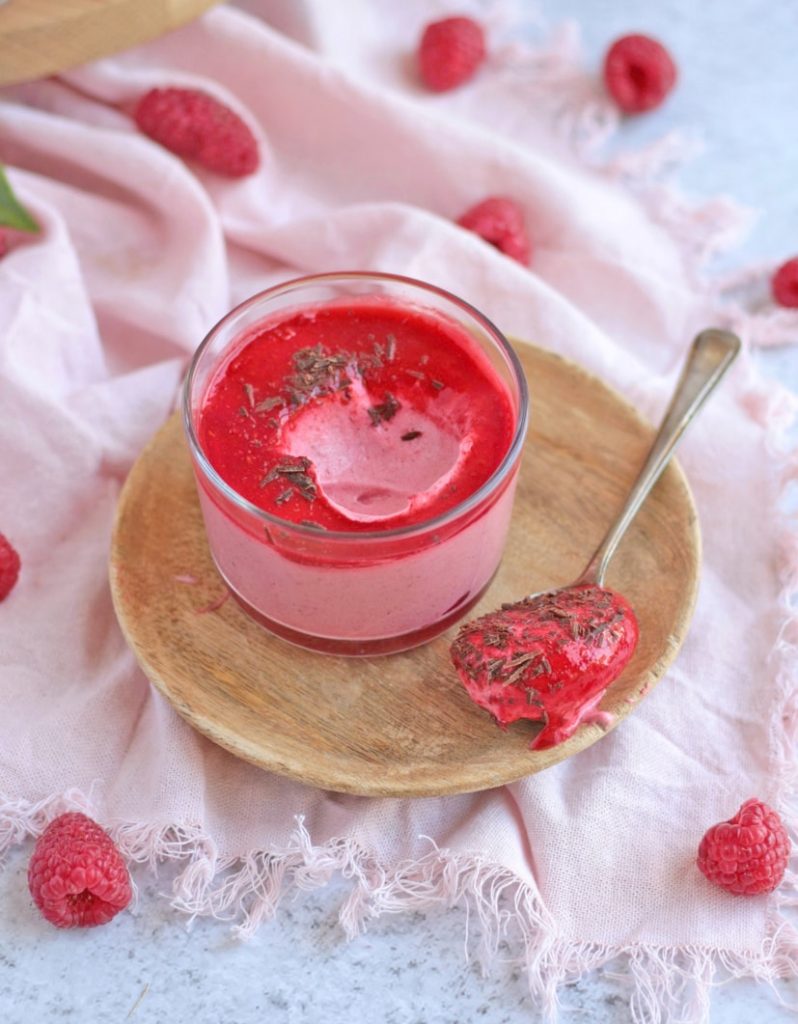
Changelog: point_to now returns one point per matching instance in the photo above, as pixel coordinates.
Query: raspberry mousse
(356, 460)
(548, 658)
(363, 416)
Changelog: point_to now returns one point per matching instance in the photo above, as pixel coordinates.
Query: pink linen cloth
(141, 254)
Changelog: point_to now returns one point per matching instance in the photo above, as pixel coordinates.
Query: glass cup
(355, 593)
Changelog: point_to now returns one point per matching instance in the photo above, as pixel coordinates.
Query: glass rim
(339, 536)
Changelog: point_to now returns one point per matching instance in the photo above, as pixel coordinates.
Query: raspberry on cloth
(747, 854)
(450, 52)
(500, 221)
(142, 250)
(10, 564)
(198, 127)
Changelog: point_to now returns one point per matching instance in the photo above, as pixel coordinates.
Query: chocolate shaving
(295, 472)
(519, 665)
(269, 403)
(495, 666)
(284, 496)
(500, 636)
(316, 372)
(386, 410)
(583, 614)
(438, 385)
(306, 486)
(411, 435)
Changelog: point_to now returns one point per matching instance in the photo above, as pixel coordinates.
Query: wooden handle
(43, 37)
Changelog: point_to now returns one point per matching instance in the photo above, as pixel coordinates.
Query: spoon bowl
(551, 656)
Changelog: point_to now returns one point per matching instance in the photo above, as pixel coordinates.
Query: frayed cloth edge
(506, 920)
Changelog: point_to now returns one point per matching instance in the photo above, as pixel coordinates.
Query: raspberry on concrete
(747, 854)
(197, 126)
(76, 875)
(639, 73)
(500, 221)
(450, 52)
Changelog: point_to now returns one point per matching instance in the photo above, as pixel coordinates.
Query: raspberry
(450, 52)
(747, 854)
(785, 284)
(3, 243)
(9, 567)
(197, 126)
(639, 73)
(501, 222)
(76, 875)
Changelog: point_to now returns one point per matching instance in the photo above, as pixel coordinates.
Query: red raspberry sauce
(413, 376)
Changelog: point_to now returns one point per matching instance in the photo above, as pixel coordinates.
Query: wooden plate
(43, 37)
(402, 725)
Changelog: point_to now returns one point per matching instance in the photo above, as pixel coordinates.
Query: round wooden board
(402, 725)
(43, 37)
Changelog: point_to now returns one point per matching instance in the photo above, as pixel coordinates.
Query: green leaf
(12, 213)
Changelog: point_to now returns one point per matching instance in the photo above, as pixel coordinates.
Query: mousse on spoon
(551, 656)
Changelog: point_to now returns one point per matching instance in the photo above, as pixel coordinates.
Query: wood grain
(402, 725)
(43, 37)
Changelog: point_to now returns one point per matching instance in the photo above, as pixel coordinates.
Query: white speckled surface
(411, 969)
(738, 89)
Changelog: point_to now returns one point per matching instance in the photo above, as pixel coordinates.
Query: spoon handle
(711, 354)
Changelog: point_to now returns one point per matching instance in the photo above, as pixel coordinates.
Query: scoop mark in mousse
(287, 449)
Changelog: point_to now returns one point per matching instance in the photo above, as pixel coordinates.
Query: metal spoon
(551, 656)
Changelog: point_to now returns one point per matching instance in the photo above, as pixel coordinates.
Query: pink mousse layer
(360, 601)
